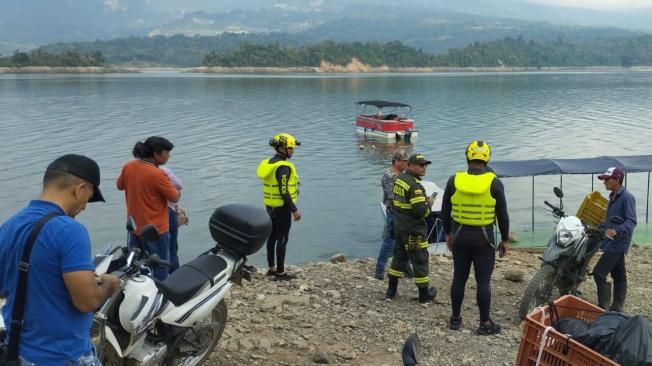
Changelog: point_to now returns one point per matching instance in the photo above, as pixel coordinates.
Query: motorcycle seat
(184, 283)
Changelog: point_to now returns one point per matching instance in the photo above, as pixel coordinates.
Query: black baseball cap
(418, 159)
(81, 167)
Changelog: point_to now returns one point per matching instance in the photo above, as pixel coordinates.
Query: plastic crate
(559, 349)
(593, 210)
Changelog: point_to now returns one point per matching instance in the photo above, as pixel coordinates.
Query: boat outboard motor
(407, 134)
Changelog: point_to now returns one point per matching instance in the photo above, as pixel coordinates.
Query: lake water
(221, 124)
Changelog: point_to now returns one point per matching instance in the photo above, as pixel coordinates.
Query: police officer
(280, 193)
(411, 207)
(473, 200)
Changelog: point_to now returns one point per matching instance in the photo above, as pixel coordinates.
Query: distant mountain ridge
(435, 26)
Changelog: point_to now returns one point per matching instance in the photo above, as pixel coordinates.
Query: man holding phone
(412, 207)
(473, 201)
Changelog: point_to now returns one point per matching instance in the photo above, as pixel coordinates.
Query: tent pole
(647, 200)
(533, 205)
(561, 185)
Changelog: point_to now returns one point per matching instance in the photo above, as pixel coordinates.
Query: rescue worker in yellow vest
(411, 207)
(280, 192)
(473, 200)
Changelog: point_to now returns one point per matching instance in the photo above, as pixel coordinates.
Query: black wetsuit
(474, 245)
(281, 219)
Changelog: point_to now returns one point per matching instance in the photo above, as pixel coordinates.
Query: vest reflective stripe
(472, 203)
(400, 191)
(271, 194)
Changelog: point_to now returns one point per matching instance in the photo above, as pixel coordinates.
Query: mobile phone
(433, 195)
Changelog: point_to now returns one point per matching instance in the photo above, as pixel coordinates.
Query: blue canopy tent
(597, 165)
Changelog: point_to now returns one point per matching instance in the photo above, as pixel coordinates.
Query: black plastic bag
(600, 333)
(571, 326)
(631, 344)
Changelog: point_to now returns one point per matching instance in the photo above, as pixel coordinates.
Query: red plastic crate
(559, 349)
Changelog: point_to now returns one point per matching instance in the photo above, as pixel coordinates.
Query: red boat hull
(378, 124)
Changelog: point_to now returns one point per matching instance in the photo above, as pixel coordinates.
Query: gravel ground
(335, 313)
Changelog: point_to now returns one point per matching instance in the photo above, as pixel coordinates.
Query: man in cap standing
(54, 283)
(411, 207)
(622, 204)
(399, 163)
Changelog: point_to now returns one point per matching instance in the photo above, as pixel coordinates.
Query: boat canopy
(597, 165)
(382, 103)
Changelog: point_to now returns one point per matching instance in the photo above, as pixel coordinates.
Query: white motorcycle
(180, 320)
(565, 262)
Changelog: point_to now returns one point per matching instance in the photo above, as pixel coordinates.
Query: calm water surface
(220, 125)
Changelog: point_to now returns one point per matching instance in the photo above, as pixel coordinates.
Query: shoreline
(352, 68)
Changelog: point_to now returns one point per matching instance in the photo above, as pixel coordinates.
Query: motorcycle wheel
(538, 292)
(197, 343)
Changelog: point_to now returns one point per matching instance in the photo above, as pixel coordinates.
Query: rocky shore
(334, 313)
(324, 68)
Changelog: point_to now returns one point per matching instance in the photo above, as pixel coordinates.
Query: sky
(599, 4)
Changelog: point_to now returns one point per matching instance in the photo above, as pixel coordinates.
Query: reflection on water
(220, 125)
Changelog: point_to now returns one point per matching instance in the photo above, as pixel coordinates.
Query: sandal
(490, 329)
(285, 277)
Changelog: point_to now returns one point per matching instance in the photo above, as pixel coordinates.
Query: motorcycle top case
(242, 229)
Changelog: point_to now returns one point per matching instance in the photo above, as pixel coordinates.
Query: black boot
(391, 288)
(604, 295)
(427, 294)
(620, 292)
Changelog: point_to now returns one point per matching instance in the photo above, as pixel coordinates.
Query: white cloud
(115, 5)
(599, 4)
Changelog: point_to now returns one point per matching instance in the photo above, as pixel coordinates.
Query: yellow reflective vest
(271, 193)
(472, 203)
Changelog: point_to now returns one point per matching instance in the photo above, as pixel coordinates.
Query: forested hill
(508, 52)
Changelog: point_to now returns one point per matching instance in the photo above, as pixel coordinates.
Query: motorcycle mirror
(616, 220)
(131, 224)
(149, 233)
(558, 192)
(411, 350)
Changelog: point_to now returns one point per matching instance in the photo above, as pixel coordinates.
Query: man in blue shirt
(62, 290)
(622, 204)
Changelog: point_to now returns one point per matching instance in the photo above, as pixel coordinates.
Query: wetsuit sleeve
(417, 196)
(446, 206)
(629, 208)
(283, 176)
(498, 193)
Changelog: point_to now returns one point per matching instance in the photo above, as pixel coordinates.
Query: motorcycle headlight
(565, 237)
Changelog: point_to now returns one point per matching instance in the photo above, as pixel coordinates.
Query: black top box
(242, 229)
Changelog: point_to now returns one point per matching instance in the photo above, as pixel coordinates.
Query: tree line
(40, 57)
(230, 51)
(507, 52)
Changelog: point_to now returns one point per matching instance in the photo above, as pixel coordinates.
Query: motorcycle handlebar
(550, 205)
(154, 259)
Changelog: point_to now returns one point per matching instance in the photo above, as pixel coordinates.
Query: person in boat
(60, 290)
(147, 192)
(411, 207)
(399, 163)
(280, 193)
(614, 248)
(473, 200)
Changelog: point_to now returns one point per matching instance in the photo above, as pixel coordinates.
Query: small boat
(394, 125)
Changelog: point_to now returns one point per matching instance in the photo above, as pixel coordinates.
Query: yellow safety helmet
(478, 150)
(284, 140)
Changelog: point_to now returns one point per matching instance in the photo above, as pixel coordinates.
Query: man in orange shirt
(147, 191)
